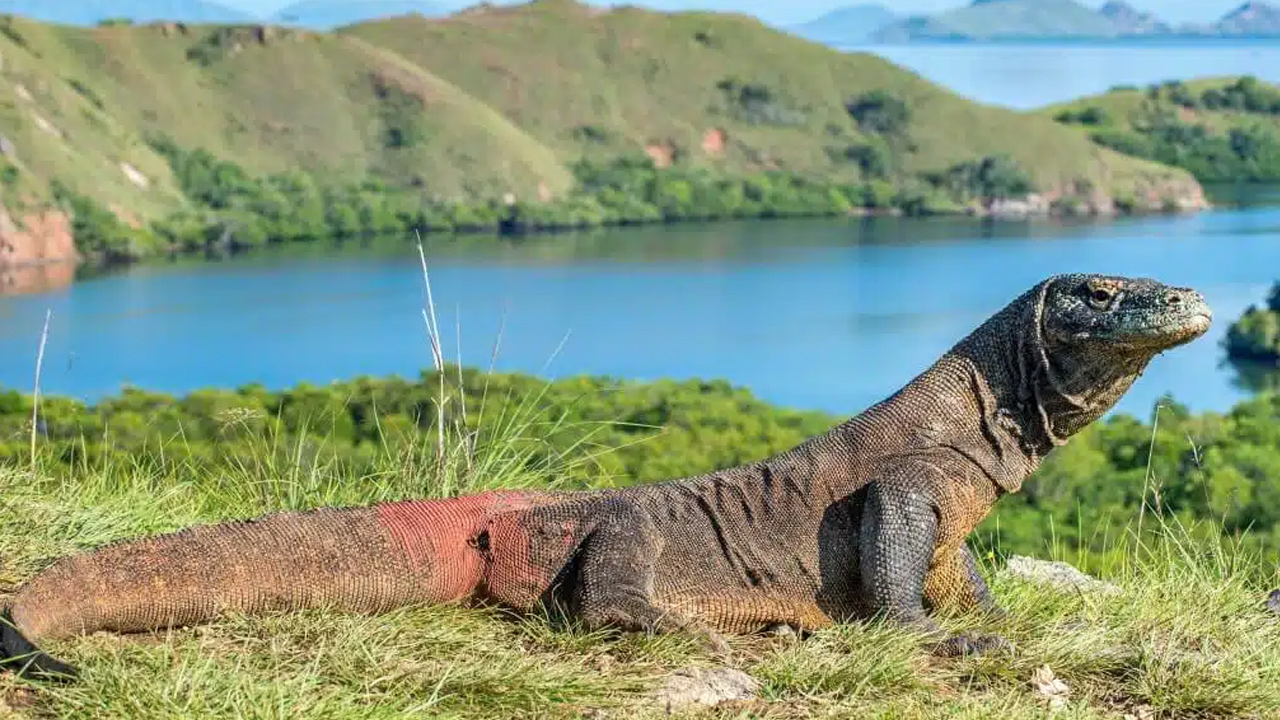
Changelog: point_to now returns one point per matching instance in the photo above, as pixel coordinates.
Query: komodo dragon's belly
(740, 582)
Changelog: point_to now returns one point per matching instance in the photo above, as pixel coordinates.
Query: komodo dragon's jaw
(868, 518)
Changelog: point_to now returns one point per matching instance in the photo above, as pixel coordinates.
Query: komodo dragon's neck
(1000, 397)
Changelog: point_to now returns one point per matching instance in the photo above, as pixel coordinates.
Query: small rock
(1273, 601)
(135, 175)
(1141, 712)
(1056, 574)
(45, 125)
(782, 630)
(705, 686)
(1049, 686)
(603, 663)
(7, 149)
(1032, 204)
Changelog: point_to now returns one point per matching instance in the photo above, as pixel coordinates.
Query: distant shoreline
(1133, 41)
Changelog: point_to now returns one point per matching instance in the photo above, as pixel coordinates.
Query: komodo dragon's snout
(1113, 314)
(868, 518)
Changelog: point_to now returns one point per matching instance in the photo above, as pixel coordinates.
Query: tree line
(230, 209)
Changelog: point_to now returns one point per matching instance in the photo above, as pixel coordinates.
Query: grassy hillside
(514, 100)
(268, 99)
(1186, 636)
(1220, 129)
(606, 83)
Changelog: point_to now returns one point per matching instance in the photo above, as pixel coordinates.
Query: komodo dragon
(867, 518)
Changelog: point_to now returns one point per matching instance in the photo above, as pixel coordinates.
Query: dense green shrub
(995, 177)
(1250, 153)
(1255, 336)
(1223, 468)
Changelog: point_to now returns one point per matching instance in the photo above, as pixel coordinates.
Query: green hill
(268, 122)
(1219, 129)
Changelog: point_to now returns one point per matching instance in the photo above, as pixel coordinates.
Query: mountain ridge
(851, 23)
(984, 20)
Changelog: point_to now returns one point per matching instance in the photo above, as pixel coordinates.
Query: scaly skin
(868, 518)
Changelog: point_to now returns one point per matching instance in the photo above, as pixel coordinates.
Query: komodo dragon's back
(869, 517)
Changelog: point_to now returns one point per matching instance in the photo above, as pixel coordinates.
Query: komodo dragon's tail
(369, 559)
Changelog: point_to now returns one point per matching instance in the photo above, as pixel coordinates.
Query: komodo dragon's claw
(972, 644)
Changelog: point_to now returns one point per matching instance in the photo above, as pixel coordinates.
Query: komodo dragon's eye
(1100, 297)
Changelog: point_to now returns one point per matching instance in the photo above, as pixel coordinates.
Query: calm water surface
(1030, 75)
(815, 314)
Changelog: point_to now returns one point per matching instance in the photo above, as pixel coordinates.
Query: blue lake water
(829, 315)
(814, 314)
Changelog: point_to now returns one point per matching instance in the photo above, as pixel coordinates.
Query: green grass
(1187, 637)
(490, 101)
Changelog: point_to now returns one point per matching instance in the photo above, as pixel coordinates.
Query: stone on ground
(705, 686)
(1056, 574)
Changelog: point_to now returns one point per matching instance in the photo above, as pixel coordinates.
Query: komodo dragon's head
(1084, 340)
(1135, 318)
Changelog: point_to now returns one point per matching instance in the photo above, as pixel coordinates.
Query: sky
(790, 11)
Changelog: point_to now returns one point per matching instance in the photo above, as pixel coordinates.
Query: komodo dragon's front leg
(898, 543)
(953, 582)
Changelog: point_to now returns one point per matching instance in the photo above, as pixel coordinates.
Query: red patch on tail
(441, 537)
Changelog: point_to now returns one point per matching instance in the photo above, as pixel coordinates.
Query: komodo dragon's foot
(943, 644)
(970, 644)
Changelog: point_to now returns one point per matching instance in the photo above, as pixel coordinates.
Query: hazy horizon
(1176, 11)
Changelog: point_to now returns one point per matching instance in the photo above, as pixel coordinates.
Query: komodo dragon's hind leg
(897, 542)
(616, 574)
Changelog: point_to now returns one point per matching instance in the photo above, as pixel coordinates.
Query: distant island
(1002, 20)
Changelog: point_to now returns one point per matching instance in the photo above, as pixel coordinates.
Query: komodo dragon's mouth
(1172, 334)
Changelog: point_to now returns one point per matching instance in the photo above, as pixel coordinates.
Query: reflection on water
(27, 279)
(1242, 195)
